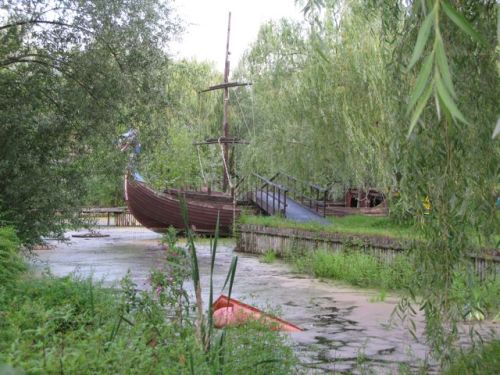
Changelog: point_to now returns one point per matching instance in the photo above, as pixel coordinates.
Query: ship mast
(225, 125)
(225, 140)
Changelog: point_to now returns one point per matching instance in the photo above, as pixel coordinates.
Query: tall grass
(357, 268)
(269, 257)
(484, 359)
(227, 351)
(477, 298)
(71, 325)
(353, 224)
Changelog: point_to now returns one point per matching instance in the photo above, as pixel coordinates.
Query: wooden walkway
(283, 195)
(271, 204)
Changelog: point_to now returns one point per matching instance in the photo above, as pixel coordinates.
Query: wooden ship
(358, 202)
(160, 210)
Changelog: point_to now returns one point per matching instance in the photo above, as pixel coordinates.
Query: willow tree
(272, 65)
(448, 61)
(345, 98)
(443, 84)
(169, 157)
(401, 94)
(73, 74)
(323, 99)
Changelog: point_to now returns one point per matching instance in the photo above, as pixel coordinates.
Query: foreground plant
(73, 325)
(11, 262)
(219, 346)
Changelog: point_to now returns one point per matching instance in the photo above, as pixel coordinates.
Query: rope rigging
(226, 169)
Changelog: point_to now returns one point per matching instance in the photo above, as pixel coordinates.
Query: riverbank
(375, 229)
(346, 329)
(351, 224)
(72, 325)
(58, 319)
(375, 253)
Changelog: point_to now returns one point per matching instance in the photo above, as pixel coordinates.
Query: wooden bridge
(287, 196)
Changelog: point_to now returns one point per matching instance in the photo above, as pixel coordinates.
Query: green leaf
(231, 273)
(423, 36)
(213, 248)
(422, 80)
(419, 108)
(221, 356)
(438, 107)
(191, 362)
(448, 101)
(497, 129)
(321, 53)
(442, 63)
(190, 241)
(458, 19)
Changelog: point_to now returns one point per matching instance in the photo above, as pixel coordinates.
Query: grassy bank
(67, 325)
(356, 268)
(478, 299)
(479, 361)
(353, 224)
(70, 325)
(357, 225)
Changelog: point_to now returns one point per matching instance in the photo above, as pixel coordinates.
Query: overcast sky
(206, 26)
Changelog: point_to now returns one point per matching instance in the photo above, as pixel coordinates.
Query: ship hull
(160, 210)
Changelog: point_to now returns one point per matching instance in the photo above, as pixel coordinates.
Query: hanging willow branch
(434, 77)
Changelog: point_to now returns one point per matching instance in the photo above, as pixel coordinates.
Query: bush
(69, 325)
(475, 297)
(269, 257)
(11, 261)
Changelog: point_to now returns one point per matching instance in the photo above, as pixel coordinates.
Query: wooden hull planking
(158, 211)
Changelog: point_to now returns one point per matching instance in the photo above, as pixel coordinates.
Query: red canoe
(230, 312)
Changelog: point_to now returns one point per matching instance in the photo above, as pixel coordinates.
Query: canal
(346, 329)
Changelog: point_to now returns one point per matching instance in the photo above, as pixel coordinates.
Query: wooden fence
(257, 239)
(109, 216)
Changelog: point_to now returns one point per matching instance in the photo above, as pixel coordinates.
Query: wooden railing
(270, 196)
(109, 216)
(308, 194)
(258, 239)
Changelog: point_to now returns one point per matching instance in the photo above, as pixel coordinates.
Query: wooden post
(284, 206)
(274, 197)
(267, 198)
(225, 125)
(325, 197)
(279, 200)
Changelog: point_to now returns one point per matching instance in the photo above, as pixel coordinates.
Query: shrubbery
(71, 325)
(11, 261)
(357, 268)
